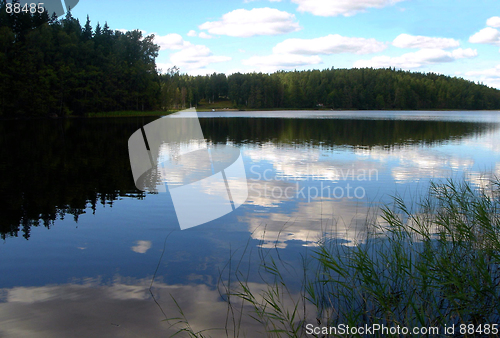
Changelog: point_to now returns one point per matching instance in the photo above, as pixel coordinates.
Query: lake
(84, 252)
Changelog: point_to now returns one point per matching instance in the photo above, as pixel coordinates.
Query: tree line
(364, 88)
(51, 66)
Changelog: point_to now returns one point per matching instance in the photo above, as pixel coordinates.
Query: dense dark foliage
(331, 88)
(50, 66)
(53, 168)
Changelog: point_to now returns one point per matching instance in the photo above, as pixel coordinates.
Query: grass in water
(431, 266)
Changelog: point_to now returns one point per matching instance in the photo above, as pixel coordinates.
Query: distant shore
(159, 113)
(163, 113)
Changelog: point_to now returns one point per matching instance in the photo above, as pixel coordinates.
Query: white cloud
(292, 164)
(195, 56)
(142, 247)
(258, 21)
(492, 72)
(490, 77)
(204, 35)
(309, 222)
(330, 44)
(493, 21)
(413, 165)
(280, 61)
(340, 7)
(460, 53)
(190, 58)
(170, 41)
(294, 53)
(122, 307)
(412, 41)
(417, 59)
(486, 35)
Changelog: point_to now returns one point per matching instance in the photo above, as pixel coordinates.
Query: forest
(365, 88)
(53, 66)
(57, 67)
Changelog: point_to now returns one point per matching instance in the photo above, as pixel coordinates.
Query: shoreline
(158, 113)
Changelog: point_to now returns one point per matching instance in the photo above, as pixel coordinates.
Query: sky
(452, 37)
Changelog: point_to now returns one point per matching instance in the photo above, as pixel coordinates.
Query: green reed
(435, 264)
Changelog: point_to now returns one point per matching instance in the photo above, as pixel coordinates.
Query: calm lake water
(81, 245)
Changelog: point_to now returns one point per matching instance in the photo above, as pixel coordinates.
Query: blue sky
(452, 37)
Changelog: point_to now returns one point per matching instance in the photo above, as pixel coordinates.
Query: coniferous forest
(51, 66)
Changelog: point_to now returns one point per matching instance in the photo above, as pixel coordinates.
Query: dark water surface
(80, 244)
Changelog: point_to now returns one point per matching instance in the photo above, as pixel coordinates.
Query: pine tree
(87, 30)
